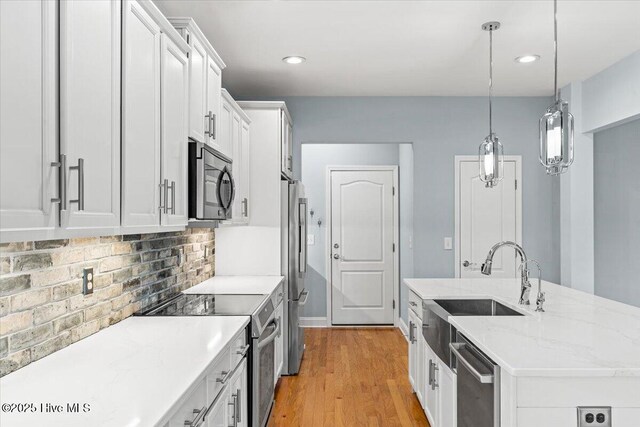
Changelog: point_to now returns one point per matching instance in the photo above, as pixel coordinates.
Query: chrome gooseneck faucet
(525, 286)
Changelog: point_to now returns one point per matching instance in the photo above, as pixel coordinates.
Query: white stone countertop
(237, 285)
(131, 374)
(578, 334)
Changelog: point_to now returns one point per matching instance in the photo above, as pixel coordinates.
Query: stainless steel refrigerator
(294, 268)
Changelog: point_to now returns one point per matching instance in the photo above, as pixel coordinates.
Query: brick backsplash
(42, 308)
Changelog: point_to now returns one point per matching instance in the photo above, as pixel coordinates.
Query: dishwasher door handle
(482, 378)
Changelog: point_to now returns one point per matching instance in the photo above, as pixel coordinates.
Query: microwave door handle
(232, 183)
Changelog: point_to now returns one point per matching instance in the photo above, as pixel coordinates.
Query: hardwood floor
(349, 377)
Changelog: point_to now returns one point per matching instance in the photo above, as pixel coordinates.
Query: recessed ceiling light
(525, 59)
(294, 59)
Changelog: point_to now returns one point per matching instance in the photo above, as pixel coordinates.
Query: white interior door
(486, 217)
(362, 233)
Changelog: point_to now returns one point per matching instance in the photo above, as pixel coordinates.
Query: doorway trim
(396, 237)
(458, 160)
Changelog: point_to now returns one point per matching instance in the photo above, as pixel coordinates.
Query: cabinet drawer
(415, 304)
(193, 409)
(239, 348)
(219, 374)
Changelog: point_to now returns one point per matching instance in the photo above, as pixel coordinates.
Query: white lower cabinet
(430, 383)
(416, 355)
(221, 398)
(279, 344)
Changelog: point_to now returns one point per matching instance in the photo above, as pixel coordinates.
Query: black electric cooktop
(207, 305)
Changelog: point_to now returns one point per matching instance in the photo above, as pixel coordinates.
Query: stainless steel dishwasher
(478, 385)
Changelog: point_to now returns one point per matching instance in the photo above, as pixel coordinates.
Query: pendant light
(490, 154)
(556, 125)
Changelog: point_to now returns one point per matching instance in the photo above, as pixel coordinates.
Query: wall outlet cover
(311, 239)
(87, 281)
(448, 243)
(594, 416)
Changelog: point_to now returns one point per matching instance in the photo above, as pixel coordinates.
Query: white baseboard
(403, 327)
(313, 322)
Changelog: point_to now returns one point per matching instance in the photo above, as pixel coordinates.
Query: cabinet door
(214, 88)
(431, 384)
(193, 409)
(238, 395)
(28, 105)
(218, 415)
(420, 361)
(245, 172)
(90, 54)
(236, 128)
(284, 144)
(197, 89)
(447, 396)
(175, 89)
(413, 350)
(279, 356)
(289, 149)
(141, 118)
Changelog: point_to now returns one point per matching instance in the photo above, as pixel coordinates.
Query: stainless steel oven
(211, 185)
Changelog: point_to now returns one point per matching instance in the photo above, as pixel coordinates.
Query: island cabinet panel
(543, 392)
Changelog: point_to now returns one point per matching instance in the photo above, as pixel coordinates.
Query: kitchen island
(583, 350)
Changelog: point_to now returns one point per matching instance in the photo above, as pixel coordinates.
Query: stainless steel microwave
(211, 185)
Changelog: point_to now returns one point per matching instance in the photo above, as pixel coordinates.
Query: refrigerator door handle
(302, 233)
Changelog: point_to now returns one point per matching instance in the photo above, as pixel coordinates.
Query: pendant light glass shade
(490, 153)
(491, 161)
(556, 125)
(556, 138)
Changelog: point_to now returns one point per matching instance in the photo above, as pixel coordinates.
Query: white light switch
(448, 243)
(311, 239)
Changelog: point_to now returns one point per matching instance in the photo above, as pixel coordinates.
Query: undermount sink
(475, 307)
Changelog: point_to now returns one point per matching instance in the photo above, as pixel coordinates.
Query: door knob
(467, 264)
(336, 256)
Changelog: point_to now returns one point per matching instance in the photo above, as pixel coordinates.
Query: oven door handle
(271, 336)
(482, 378)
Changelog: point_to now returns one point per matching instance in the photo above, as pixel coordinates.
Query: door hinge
(393, 191)
(394, 304)
(394, 247)
(516, 184)
(188, 37)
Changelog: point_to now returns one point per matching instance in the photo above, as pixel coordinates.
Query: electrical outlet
(206, 251)
(180, 256)
(311, 239)
(87, 281)
(594, 416)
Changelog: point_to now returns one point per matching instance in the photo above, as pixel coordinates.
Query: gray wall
(440, 128)
(617, 212)
(315, 159)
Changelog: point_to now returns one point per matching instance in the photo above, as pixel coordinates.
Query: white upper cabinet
(28, 123)
(90, 52)
(286, 133)
(141, 118)
(155, 120)
(175, 101)
(205, 75)
(235, 133)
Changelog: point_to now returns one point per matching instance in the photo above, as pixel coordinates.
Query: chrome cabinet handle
(213, 126)
(234, 413)
(62, 182)
(413, 303)
(238, 406)
(163, 198)
(225, 376)
(245, 207)
(289, 163)
(172, 187)
(209, 131)
(198, 419)
(411, 332)
(434, 381)
(80, 168)
(165, 186)
(244, 350)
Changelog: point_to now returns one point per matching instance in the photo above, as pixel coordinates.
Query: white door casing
(90, 52)
(485, 216)
(363, 208)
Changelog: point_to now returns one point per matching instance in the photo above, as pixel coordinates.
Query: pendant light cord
(555, 49)
(490, 80)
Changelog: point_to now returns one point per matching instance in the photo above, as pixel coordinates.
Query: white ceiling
(409, 48)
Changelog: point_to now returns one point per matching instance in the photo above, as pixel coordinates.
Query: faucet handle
(539, 302)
